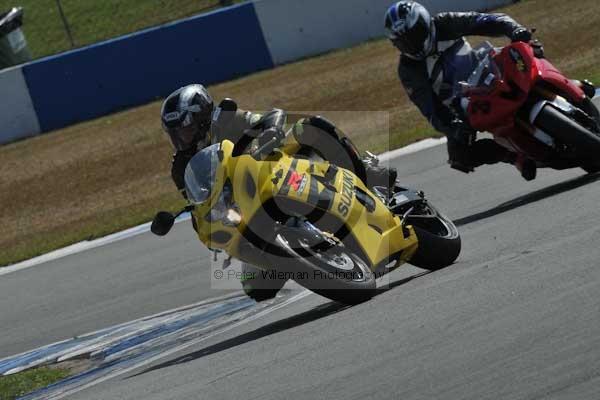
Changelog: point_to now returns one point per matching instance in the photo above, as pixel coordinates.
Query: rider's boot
(527, 166)
(487, 151)
(260, 285)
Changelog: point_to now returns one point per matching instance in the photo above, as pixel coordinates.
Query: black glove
(269, 134)
(538, 48)
(521, 35)
(178, 165)
(268, 140)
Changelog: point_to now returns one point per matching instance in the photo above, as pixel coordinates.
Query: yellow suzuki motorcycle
(309, 220)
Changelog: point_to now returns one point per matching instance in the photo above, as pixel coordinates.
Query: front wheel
(580, 134)
(439, 240)
(591, 167)
(333, 272)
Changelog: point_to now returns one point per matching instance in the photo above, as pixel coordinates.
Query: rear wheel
(333, 272)
(439, 240)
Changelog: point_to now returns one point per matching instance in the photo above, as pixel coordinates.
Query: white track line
(82, 246)
(174, 350)
(138, 230)
(87, 245)
(411, 148)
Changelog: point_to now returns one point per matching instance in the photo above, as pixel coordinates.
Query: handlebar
(266, 148)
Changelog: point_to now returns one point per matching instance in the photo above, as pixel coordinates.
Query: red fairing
(488, 112)
(549, 73)
(523, 143)
(521, 71)
(518, 65)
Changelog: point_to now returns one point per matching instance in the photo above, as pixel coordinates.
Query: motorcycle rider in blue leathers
(435, 56)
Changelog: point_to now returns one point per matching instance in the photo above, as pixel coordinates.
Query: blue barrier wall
(135, 69)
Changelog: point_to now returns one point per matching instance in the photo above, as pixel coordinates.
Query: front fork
(551, 99)
(316, 239)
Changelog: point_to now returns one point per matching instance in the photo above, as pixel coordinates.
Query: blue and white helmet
(411, 29)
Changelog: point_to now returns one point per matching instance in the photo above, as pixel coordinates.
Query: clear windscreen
(200, 174)
(485, 74)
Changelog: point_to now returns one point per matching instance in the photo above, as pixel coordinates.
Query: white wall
(17, 115)
(295, 29)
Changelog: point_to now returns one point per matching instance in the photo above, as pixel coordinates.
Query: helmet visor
(182, 138)
(416, 41)
(187, 135)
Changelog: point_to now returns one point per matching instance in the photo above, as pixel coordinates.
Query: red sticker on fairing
(297, 181)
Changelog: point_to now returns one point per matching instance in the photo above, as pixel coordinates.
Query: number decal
(481, 107)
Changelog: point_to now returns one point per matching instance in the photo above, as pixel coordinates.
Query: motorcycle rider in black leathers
(435, 56)
(191, 123)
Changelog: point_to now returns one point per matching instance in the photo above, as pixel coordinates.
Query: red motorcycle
(531, 108)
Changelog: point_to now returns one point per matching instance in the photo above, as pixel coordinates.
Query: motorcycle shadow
(394, 284)
(294, 321)
(529, 198)
(278, 326)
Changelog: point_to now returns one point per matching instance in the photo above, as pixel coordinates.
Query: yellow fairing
(284, 179)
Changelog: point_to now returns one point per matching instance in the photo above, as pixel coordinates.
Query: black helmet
(411, 29)
(186, 116)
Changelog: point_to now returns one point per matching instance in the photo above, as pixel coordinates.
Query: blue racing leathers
(431, 83)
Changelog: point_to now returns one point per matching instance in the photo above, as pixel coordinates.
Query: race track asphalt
(102, 287)
(517, 317)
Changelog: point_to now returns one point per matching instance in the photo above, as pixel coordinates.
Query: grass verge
(105, 175)
(16, 385)
(93, 21)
